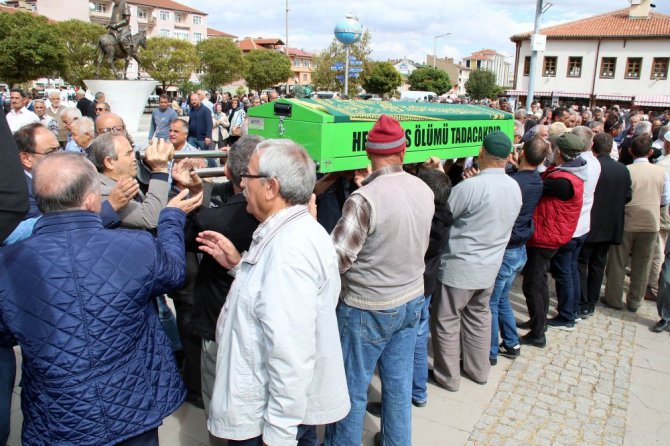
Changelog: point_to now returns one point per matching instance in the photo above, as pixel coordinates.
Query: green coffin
(334, 132)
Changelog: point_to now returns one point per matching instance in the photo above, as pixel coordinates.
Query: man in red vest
(555, 220)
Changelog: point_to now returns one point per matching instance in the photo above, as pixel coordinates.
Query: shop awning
(525, 93)
(614, 97)
(571, 94)
(652, 101)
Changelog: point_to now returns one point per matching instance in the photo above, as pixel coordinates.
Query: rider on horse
(119, 25)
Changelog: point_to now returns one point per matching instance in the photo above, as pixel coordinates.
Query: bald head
(109, 122)
(66, 181)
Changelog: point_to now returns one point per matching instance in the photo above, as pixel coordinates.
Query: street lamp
(435, 45)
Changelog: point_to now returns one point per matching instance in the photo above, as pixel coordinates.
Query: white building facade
(620, 57)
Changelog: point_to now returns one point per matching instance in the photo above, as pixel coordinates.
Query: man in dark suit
(213, 281)
(83, 103)
(612, 193)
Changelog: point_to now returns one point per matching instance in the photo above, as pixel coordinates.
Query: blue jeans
(383, 338)
(7, 376)
(502, 316)
(169, 323)
(565, 269)
(306, 437)
(420, 376)
(200, 144)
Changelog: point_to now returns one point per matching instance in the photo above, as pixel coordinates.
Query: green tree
(169, 61)
(266, 68)
(30, 48)
(323, 78)
(481, 84)
(81, 48)
(221, 62)
(383, 79)
(429, 79)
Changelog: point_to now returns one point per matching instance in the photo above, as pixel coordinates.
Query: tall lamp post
(348, 32)
(435, 45)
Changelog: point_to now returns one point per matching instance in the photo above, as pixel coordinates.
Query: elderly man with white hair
(40, 108)
(280, 369)
(83, 134)
(55, 110)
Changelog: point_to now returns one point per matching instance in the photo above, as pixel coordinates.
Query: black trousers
(191, 344)
(535, 287)
(592, 261)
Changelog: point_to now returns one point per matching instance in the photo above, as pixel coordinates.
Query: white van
(417, 96)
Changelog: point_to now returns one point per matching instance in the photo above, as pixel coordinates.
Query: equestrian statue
(119, 43)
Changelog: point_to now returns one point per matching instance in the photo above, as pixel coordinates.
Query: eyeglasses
(100, 109)
(115, 129)
(249, 176)
(48, 151)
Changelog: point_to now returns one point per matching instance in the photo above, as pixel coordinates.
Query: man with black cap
(380, 241)
(555, 220)
(484, 209)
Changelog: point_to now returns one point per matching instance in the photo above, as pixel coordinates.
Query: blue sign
(353, 74)
(338, 65)
(340, 77)
(355, 62)
(334, 68)
(355, 70)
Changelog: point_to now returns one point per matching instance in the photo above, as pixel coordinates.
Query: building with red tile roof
(619, 57)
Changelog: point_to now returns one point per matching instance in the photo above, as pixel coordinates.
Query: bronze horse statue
(110, 49)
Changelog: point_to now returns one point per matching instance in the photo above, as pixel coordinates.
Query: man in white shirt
(19, 115)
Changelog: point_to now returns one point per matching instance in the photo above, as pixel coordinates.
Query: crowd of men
(289, 294)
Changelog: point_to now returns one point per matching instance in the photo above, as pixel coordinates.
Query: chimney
(639, 9)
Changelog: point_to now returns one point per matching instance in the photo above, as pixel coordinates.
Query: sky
(401, 28)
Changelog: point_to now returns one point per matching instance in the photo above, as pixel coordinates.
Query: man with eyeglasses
(19, 115)
(99, 99)
(101, 108)
(110, 123)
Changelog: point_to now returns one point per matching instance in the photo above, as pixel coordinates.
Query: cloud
(399, 28)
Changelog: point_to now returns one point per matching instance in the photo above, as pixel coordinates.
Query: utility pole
(286, 43)
(533, 56)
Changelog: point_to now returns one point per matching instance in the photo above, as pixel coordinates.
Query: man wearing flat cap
(484, 208)
(380, 241)
(555, 220)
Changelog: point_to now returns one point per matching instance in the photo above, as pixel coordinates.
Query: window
(165, 15)
(296, 62)
(181, 35)
(549, 69)
(305, 77)
(141, 13)
(305, 63)
(100, 8)
(165, 33)
(197, 20)
(178, 18)
(633, 67)
(526, 66)
(574, 67)
(608, 67)
(197, 37)
(659, 69)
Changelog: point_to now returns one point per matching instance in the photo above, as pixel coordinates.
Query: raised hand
(219, 247)
(124, 191)
(180, 201)
(184, 176)
(158, 154)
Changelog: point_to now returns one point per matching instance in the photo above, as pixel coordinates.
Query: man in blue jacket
(97, 367)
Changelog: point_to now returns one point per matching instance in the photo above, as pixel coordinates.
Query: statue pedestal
(127, 98)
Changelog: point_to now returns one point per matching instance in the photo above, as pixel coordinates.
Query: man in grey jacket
(114, 158)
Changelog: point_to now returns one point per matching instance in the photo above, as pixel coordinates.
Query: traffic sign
(352, 58)
(339, 65)
(353, 74)
(340, 77)
(335, 68)
(355, 62)
(355, 70)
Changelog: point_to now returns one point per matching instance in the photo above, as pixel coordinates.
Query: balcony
(182, 25)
